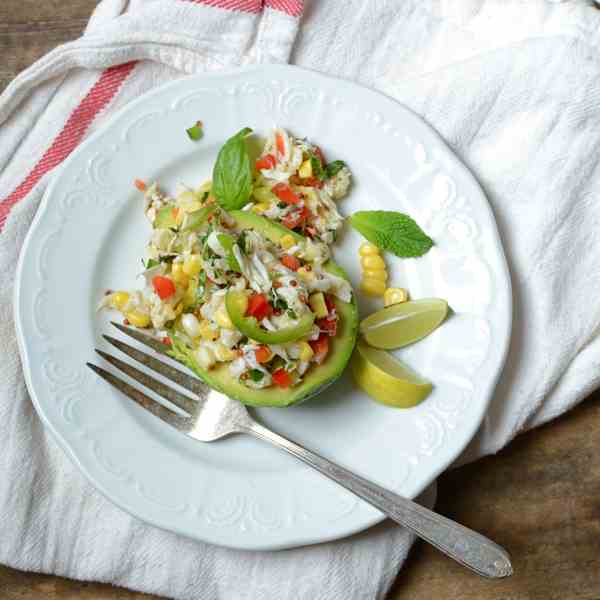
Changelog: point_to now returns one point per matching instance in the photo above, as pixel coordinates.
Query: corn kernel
(372, 262)
(305, 274)
(204, 357)
(207, 332)
(178, 275)
(264, 194)
(192, 265)
(373, 287)
(394, 296)
(189, 298)
(318, 305)
(260, 207)
(222, 318)
(306, 352)
(137, 318)
(368, 249)
(223, 353)
(118, 300)
(305, 170)
(287, 241)
(380, 274)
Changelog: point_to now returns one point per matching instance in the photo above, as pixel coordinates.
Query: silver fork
(211, 416)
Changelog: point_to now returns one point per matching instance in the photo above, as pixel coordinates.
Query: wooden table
(540, 498)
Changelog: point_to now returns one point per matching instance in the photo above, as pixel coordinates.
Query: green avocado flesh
(250, 327)
(318, 377)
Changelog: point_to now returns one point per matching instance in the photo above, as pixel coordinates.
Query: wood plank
(540, 498)
(29, 29)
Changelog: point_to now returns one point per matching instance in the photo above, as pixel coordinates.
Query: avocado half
(317, 378)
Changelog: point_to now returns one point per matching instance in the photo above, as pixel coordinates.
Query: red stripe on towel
(293, 8)
(249, 6)
(100, 94)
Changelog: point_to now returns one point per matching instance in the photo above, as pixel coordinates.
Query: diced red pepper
(285, 193)
(320, 155)
(320, 347)
(296, 218)
(140, 185)
(263, 354)
(259, 307)
(313, 182)
(306, 181)
(280, 144)
(163, 286)
(329, 302)
(167, 341)
(291, 262)
(282, 378)
(328, 326)
(266, 162)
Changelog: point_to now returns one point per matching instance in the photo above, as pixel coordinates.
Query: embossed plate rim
(355, 520)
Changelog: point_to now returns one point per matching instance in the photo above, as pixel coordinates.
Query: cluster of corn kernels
(375, 276)
(374, 272)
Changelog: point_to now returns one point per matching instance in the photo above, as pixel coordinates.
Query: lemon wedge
(386, 379)
(402, 324)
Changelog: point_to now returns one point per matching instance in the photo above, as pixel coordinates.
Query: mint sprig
(232, 173)
(392, 231)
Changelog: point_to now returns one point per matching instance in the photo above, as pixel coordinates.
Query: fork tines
(190, 405)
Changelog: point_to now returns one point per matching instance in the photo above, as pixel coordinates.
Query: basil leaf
(232, 173)
(392, 231)
(334, 168)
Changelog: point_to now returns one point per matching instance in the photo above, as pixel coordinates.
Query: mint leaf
(392, 231)
(232, 173)
(334, 168)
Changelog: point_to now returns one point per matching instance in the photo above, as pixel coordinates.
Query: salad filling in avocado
(257, 310)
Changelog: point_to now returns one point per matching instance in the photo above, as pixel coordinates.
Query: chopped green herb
(241, 242)
(195, 132)
(256, 375)
(277, 363)
(292, 314)
(282, 205)
(392, 231)
(279, 303)
(151, 262)
(334, 168)
(317, 166)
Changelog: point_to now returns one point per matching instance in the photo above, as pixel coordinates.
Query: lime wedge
(402, 324)
(386, 379)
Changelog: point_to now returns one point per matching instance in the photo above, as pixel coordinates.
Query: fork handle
(464, 545)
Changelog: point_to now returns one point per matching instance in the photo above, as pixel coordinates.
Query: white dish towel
(514, 87)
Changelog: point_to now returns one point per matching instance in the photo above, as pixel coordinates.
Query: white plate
(90, 233)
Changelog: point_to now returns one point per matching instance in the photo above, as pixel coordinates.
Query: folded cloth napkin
(513, 87)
